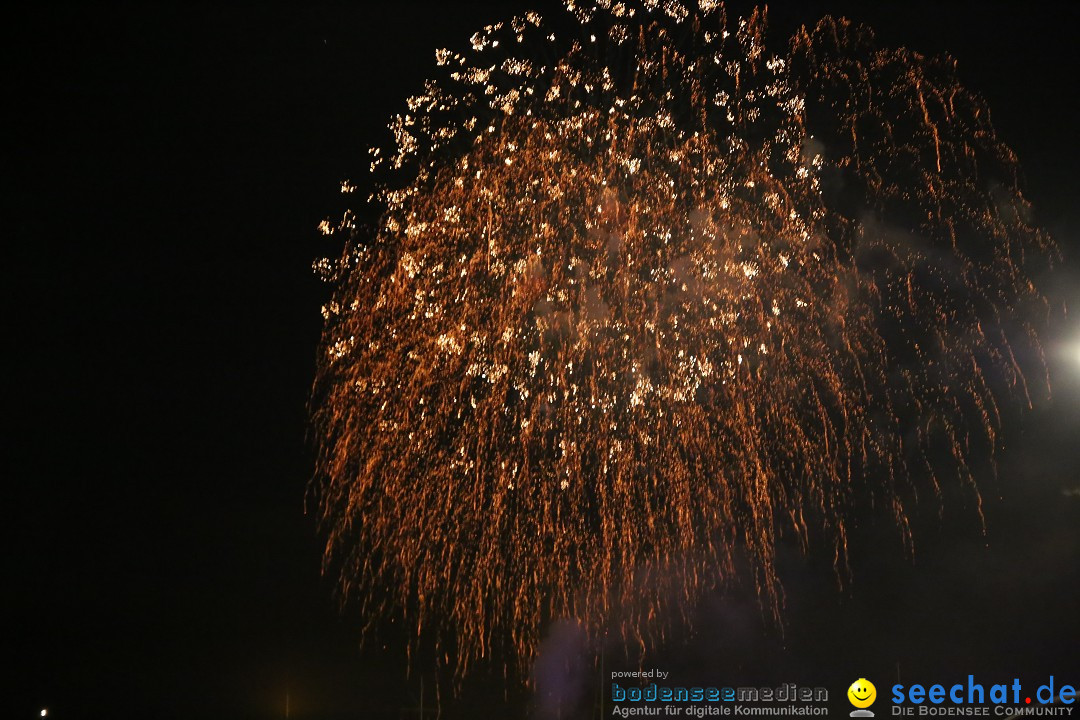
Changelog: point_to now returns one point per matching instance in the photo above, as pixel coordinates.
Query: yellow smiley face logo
(862, 693)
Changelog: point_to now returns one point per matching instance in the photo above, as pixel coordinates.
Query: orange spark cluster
(644, 300)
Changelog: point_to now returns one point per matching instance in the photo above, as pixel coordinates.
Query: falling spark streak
(637, 308)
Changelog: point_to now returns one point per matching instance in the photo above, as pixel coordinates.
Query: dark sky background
(165, 172)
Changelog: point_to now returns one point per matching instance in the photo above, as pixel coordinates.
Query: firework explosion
(646, 297)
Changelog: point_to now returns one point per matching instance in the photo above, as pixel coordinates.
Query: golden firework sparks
(643, 300)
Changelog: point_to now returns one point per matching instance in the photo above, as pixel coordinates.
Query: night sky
(166, 170)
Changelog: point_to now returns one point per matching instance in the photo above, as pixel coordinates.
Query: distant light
(44, 712)
(1070, 351)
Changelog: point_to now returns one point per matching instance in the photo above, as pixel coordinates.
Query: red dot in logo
(1027, 700)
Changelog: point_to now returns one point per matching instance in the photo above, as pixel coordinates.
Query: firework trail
(644, 298)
